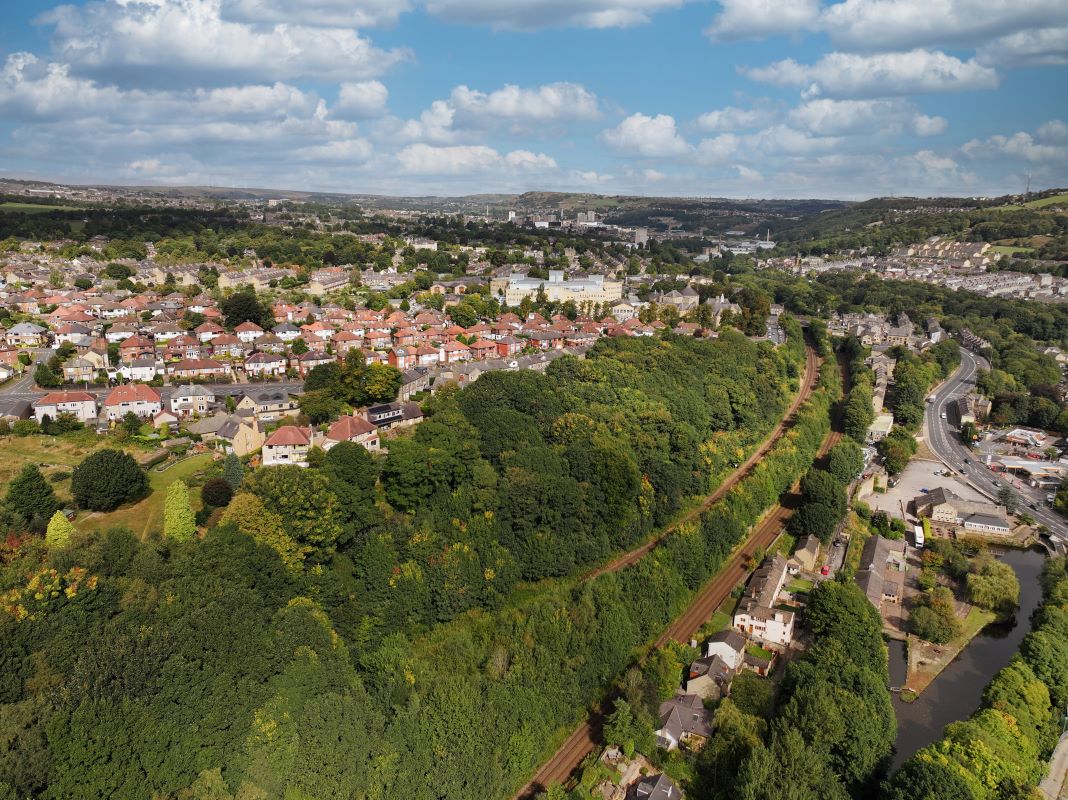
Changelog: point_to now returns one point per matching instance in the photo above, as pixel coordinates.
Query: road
(944, 439)
(808, 385)
(24, 389)
(584, 739)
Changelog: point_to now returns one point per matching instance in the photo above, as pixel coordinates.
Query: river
(956, 692)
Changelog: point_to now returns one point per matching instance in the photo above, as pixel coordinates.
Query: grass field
(147, 515)
(34, 208)
(1010, 250)
(51, 453)
(1042, 202)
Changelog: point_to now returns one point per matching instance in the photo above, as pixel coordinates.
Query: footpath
(1053, 787)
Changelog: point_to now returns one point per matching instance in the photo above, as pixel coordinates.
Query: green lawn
(756, 651)
(719, 621)
(1010, 250)
(147, 515)
(799, 585)
(34, 208)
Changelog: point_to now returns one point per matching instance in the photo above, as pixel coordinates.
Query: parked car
(825, 570)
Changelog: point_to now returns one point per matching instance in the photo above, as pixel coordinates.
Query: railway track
(583, 740)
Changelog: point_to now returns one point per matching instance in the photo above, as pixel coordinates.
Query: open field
(148, 514)
(33, 208)
(1042, 202)
(51, 453)
(1010, 250)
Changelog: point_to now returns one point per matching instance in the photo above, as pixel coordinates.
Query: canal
(956, 693)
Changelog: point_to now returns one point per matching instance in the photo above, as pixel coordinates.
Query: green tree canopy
(106, 479)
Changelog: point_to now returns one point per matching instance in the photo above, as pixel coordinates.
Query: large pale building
(592, 288)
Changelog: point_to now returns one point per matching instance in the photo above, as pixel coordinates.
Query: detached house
(352, 429)
(265, 364)
(144, 401)
(26, 334)
(191, 399)
(683, 717)
(287, 445)
(268, 404)
(248, 332)
(78, 370)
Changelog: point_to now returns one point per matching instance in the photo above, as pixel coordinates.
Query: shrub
(216, 492)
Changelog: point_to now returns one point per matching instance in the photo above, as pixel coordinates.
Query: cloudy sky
(739, 98)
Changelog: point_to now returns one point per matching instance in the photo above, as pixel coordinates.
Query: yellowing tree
(248, 513)
(59, 531)
(179, 521)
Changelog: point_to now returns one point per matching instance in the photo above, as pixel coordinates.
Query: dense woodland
(351, 630)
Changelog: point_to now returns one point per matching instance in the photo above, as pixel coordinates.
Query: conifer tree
(233, 471)
(59, 531)
(179, 521)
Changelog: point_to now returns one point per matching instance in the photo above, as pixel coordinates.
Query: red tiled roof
(289, 435)
(349, 427)
(53, 398)
(132, 393)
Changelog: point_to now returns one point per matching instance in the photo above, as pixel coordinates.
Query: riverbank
(955, 693)
(926, 661)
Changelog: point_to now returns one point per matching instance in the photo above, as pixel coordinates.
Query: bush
(58, 477)
(107, 479)
(25, 427)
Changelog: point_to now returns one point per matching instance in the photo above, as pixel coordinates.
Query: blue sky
(738, 98)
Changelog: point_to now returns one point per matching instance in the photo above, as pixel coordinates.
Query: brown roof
(52, 398)
(289, 435)
(132, 393)
(349, 427)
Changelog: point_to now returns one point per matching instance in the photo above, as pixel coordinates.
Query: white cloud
(758, 19)
(327, 13)
(548, 103)
(169, 42)
(784, 140)
(424, 159)
(850, 117)
(1029, 48)
(1048, 145)
(526, 160)
(434, 125)
(718, 150)
(734, 119)
(652, 137)
(538, 14)
(517, 110)
(1053, 131)
(589, 178)
(878, 75)
(905, 24)
(748, 174)
(362, 100)
(352, 151)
